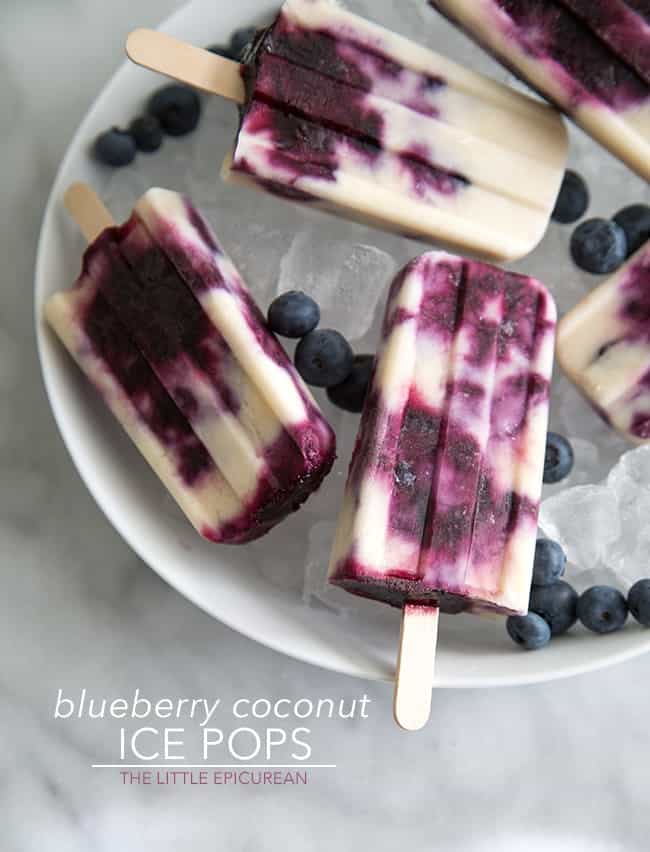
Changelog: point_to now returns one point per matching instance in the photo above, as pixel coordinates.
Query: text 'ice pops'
(164, 327)
(344, 114)
(441, 503)
(603, 345)
(590, 57)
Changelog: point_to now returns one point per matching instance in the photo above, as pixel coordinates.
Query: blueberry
(530, 631)
(240, 40)
(351, 394)
(178, 108)
(115, 148)
(635, 221)
(573, 199)
(549, 564)
(638, 600)
(558, 460)
(556, 604)
(602, 609)
(324, 358)
(147, 132)
(599, 246)
(293, 314)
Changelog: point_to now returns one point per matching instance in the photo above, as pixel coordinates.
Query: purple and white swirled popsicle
(603, 345)
(441, 503)
(347, 115)
(590, 58)
(162, 324)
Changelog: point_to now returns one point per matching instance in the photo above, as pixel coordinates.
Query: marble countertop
(562, 766)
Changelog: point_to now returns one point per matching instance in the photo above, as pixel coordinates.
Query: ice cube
(605, 529)
(585, 521)
(629, 481)
(630, 563)
(632, 473)
(347, 279)
(603, 575)
(260, 268)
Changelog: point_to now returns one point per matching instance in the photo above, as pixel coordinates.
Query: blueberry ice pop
(344, 114)
(440, 508)
(164, 327)
(441, 503)
(592, 59)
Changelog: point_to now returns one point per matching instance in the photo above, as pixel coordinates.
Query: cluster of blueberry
(174, 110)
(600, 245)
(556, 606)
(323, 357)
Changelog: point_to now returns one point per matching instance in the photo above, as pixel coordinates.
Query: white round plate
(260, 589)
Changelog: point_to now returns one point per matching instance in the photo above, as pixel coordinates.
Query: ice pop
(346, 115)
(164, 327)
(591, 58)
(440, 507)
(603, 345)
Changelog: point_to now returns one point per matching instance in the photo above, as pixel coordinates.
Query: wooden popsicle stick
(415, 666)
(88, 210)
(188, 64)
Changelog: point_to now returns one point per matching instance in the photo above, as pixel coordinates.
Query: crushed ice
(605, 528)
